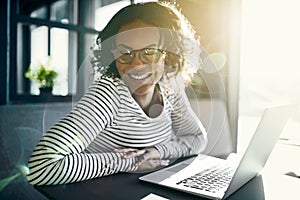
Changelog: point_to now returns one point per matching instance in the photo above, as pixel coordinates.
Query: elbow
(39, 171)
(32, 174)
(30, 178)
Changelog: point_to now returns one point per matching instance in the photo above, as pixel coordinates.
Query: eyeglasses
(146, 55)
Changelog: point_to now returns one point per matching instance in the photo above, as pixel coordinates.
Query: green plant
(43, 76)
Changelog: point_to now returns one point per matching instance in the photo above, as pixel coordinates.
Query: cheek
(162, 60)
(120, 68)
(160, 71)
(161, 66)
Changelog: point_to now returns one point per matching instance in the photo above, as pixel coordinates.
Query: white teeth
(139, 77)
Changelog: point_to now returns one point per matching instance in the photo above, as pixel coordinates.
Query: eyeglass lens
(147, 55)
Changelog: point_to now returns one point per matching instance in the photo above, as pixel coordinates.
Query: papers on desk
(278, 187)
(152, 196)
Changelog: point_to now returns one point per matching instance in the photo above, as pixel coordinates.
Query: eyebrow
(150, 45)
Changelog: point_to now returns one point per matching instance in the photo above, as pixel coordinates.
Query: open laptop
(216, 178)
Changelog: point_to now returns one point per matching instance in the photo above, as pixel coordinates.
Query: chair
(213, 114)
(21, 128)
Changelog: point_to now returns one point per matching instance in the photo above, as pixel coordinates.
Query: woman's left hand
(142, 155)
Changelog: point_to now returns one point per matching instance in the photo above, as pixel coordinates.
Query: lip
(140, 76)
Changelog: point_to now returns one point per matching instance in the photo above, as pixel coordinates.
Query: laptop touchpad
(177, 168)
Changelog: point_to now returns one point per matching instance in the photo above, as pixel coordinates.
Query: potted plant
(43, 75)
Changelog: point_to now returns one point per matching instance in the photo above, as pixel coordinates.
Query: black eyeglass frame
(139, 51)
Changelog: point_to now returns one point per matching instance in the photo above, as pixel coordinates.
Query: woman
(129, 120)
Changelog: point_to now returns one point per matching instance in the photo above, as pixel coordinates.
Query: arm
(59, 157)
(189, 136)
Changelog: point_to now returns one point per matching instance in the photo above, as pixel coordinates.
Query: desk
(272, 184)
(127, 186)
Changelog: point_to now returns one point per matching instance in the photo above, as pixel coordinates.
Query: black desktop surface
(128, 186)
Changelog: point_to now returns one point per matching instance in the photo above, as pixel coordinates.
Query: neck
(151, 102)
(144, 100)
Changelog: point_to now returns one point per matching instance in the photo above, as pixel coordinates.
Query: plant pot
(46, 91)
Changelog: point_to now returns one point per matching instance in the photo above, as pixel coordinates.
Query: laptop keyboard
(214, 179)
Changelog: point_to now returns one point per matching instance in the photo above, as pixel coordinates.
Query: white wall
(270, 58)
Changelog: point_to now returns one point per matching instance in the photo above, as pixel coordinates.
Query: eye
(150, 52)
(123, 55)
(123, 52)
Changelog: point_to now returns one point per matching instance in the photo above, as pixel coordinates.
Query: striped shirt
(79, 146)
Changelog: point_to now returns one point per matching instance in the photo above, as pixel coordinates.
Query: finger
(143, 158)
(164, 162)
(134, 153)
(157, 163)
(124, 150)
(151, 164)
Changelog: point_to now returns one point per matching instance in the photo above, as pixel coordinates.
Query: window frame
(3, 51)
(17, 18)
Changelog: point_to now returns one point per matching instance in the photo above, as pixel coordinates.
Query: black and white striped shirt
(79, 146)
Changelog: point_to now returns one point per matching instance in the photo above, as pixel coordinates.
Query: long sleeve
(60, 156)
(189, 136)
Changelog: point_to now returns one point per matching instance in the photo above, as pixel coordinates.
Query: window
(105, 13)
(39, 32)
(57, 34)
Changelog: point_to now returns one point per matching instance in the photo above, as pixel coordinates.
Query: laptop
(216, 178)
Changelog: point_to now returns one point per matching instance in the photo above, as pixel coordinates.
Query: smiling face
(138, 60)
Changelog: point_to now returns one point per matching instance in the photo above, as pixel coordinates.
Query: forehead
(137, 35)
